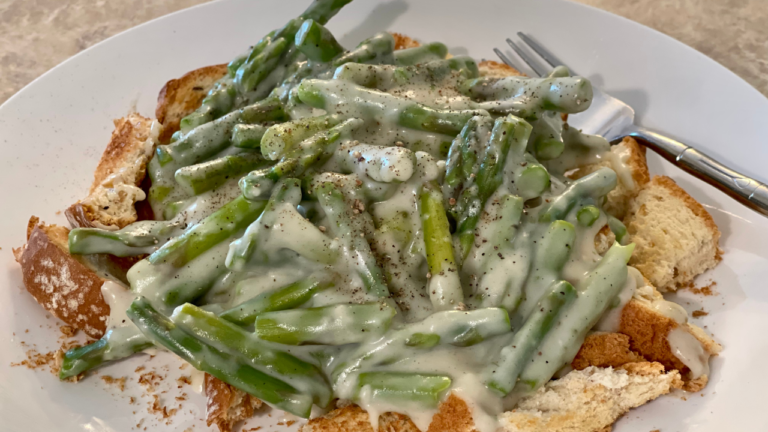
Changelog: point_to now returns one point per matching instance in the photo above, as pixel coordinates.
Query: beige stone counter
(36, 35)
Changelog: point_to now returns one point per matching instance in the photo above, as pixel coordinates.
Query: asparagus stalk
(247, 136)
(422, 54)
(333, 204)
(296, 160)
(596, 293)
(116, 344)
(282, 137)
(223, 366)
(509, 134)
(199, 178)
(444, 286)
(316, 42)
(503, 372)
(263, 356)
(459, 328)
(349, 100)
(138, 238)
(288, 297)
(394, 387)
(528, 97)
(374, 50)
(587, 216)
(330, 325)
(593, 186)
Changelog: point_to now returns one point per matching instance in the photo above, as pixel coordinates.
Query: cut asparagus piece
(501, 375)
(288, 297)
(199, 178)
(592, 186)
(340, 214)
(263, 356)
(397, 388)
(510, 135)
(422, 54)
(287, 193)
(297, 160)
(596, 293)
(444, 286)
(316, 42)
(330, 325)
(223, 366)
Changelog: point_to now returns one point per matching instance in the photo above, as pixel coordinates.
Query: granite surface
(36, 35)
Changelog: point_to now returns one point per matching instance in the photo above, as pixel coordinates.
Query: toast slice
(590, 400)
(117, 183)
(627, 159)
(494, 69)
(181, 96)
(227, 405)
(676, 238)
(63, 285)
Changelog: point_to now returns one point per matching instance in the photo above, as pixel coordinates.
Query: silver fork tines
(537, 68)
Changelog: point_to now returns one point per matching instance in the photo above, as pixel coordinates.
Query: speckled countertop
(36, 35)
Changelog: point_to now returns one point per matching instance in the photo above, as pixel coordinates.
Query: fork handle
(746, 190)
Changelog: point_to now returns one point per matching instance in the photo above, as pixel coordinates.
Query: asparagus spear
(596, 292)
(618, 229)
(296, 160)
(388, 77)
(444, 286)
(348, 100)
(240, 250)
(422, 54)
(460, 328)
(316, 42)
(332, 201)
(394, 387)
(137, 238)
(587, 216)
(594, 186)
(528, 97)
(554, 248)
(502, 373)
(330, 325)
(247, 136)
(116, 344)
(510, 134)
(374, 50)
(223, 366)
(199, 178)
(288, 297)
(263, 356)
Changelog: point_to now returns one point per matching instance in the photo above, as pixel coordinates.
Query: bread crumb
(120, 382)
(184, 380)
(706, 290)
(68, 330)
(699, 313)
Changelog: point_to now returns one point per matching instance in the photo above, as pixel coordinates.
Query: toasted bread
(181, 96)
(628, 160)
(605, 350)
(227, 405)
(62, 284)
(495, 69)
(676, 239)
(116, 187)
(591, 399)
(453, 416)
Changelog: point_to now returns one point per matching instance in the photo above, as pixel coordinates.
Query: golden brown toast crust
(60, 283)
(226, 405)
(403, 42)
(647, 333)
(120, 150)
(492, 68)
(605, 350)
(453, 416)
(180, 97)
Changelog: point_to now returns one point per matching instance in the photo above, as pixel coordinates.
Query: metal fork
(613, 119)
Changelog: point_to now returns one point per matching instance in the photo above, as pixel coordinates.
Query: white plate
(53, 132)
